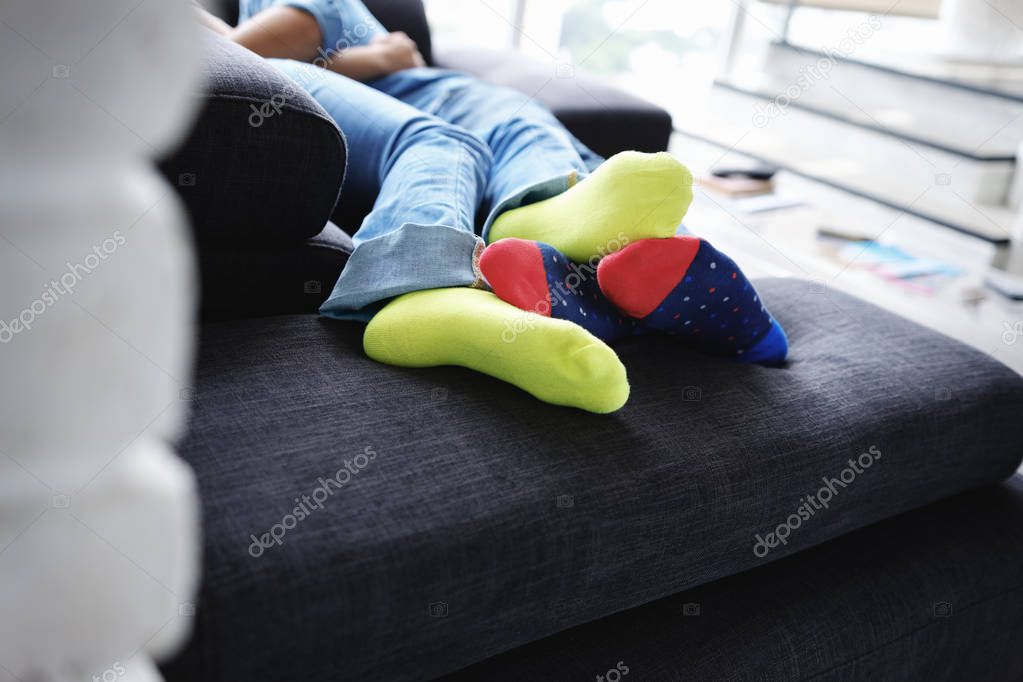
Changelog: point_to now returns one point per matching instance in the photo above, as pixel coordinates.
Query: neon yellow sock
(631, 195)
(555, 360)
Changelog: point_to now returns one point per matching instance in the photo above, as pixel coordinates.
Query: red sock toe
(640, 276)
(515, 271)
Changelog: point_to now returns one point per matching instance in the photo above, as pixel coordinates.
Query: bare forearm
(382, 56)
(357, 63)
(281, 32)
(289, 33)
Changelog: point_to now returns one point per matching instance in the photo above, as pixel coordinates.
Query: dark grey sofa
(477, 534)
(514, 520)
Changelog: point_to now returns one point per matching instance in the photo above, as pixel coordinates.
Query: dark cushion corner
(258, 142)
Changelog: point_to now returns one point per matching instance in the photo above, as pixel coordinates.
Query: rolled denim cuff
(411, 258)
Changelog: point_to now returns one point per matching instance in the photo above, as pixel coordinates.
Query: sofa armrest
(605, 118)
(244, 280)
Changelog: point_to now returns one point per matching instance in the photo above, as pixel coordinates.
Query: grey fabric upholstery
(519, 520)
(935, 595)
(256, 281)
(258, 143)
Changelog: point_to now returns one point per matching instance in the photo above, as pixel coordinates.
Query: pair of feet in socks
(679, 286)
(545, 326)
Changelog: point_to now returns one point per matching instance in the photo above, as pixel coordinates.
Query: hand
(396, 52)
(383, 56)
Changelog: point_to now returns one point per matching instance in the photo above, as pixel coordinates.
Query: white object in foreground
(98, 517)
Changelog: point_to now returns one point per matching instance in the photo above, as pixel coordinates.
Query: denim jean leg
(535, 157)
(429, 178)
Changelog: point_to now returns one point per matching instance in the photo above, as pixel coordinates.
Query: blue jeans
(438, 149)
(435, 147)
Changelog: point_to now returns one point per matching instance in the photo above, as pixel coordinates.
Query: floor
(785, 243)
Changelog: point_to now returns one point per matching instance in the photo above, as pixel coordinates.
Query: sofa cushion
(934, 595)
(263, 163)
(606, 119)
(256, 281)
(486, 519)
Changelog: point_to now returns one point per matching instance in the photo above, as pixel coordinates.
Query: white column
(98, 517)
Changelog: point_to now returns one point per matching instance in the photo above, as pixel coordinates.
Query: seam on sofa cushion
(911, 633)
(289, 107)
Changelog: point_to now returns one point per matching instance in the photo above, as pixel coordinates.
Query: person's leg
(684, 287)
(428, 177)
(554, 360)
(680, 286)
(528, 143)
(534, 190)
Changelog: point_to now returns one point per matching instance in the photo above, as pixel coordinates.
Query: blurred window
(484, 23)
(662, 49)
(665, 50)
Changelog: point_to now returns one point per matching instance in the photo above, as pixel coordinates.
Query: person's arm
(385, 55)
(289, 33)
(279, 31)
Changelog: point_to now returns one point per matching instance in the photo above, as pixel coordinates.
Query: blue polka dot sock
(538, 278)
(686, 288)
